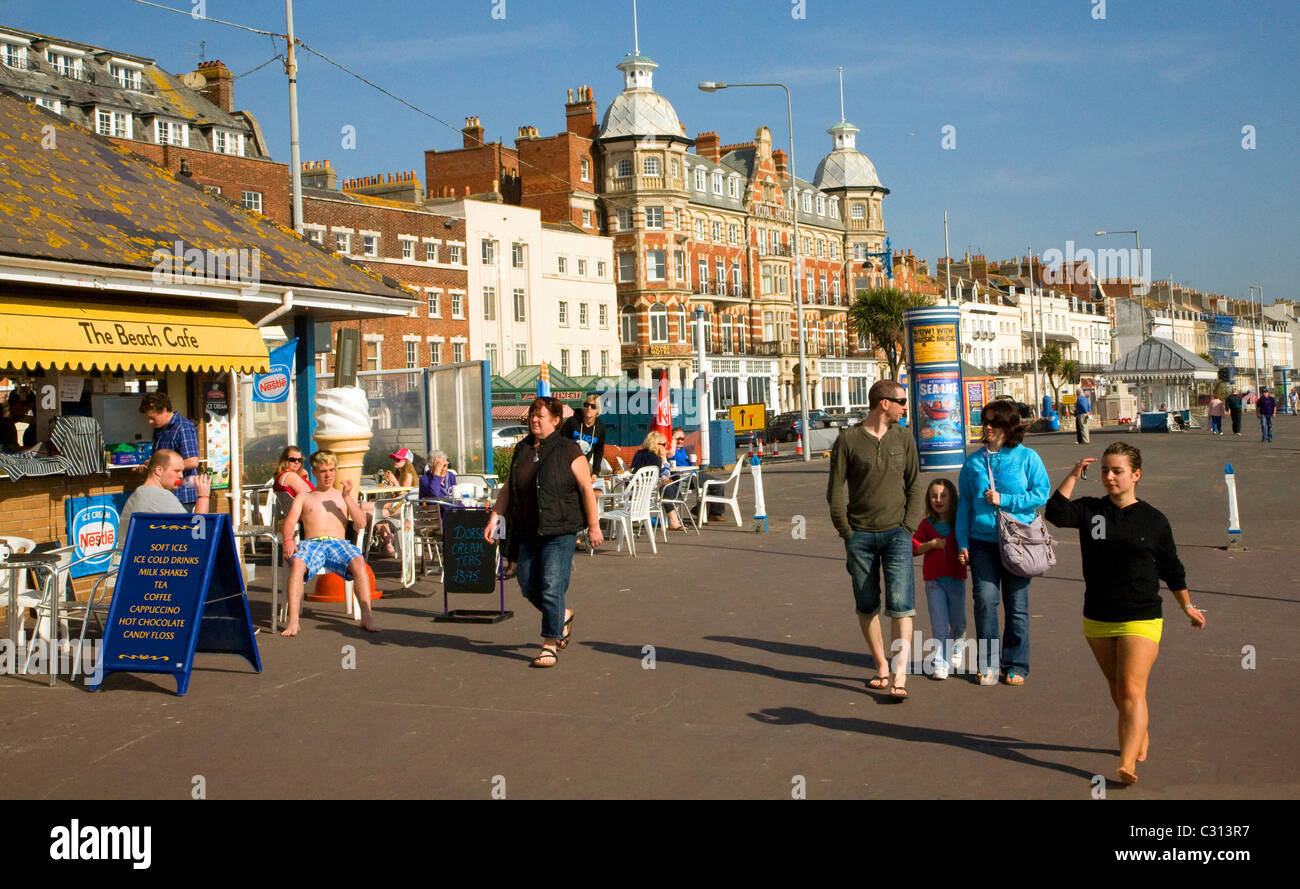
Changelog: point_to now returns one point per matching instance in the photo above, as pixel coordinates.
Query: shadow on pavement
(718, 662)
(993, 745)
(848, 658)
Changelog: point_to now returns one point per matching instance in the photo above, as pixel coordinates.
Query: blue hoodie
(1020, 478)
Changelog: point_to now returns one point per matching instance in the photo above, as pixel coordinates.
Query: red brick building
(382, 223)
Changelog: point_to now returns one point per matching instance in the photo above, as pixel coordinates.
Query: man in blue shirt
(173, 432)
(1082, 411)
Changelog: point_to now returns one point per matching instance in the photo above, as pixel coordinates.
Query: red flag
(663, 411)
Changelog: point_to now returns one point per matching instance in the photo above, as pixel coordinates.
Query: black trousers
(1236, 422)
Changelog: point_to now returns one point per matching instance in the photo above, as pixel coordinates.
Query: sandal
(568, 631)
(548, 658)
(898, 692)
(1013, 678)
(878, 682)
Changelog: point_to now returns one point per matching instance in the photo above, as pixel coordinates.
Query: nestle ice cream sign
(272, 387)
(95, 531)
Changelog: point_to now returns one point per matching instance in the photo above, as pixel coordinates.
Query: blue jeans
(988, 574)
(870, 553)
(1216, 424)
(1266, 426)
(945, 598)
(543, 569)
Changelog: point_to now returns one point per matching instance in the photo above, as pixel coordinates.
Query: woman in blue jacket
(1022, 486)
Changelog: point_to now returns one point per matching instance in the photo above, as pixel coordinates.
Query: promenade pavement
(757, 681)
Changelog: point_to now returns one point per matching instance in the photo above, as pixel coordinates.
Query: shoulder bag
(1026, 549)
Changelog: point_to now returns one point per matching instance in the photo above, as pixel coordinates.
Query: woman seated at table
(403, 472)
(437, 480)
(654, 453)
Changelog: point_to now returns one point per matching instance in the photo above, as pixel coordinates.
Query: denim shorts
(870, 553)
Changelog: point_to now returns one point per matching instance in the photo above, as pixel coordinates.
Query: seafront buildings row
(592, 248)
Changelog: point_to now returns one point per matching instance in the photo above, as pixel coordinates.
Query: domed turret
(845, 166)
(639, 111)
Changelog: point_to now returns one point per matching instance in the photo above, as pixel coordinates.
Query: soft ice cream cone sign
(343, 426)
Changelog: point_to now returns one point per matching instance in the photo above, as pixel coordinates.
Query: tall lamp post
(712, 87)
(1138, 238)
(1259, 385)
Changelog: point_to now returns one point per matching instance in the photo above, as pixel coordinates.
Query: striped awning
(511, 412)
(87, 336)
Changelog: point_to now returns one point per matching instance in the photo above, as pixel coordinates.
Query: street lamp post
(1138, 238)
(1259, 385)
(796, 261)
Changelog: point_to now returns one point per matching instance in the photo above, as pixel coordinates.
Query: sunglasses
(293, 459)
(591, 406)
(901, 402)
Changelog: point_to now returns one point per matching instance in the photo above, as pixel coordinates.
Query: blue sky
(1065, 122)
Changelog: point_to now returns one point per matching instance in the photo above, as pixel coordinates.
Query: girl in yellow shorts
(1128, 548)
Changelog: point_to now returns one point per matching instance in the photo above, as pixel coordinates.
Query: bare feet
(880, 682)
(290, 630)
(1127, 775)
(1146, 742)
(368, 624)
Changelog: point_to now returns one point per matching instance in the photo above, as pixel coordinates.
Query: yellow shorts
(1104, 629)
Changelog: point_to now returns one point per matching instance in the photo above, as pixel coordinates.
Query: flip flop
(548, 658)
(878, 682)
(568, 631)
(1013, 678)
(898, 692)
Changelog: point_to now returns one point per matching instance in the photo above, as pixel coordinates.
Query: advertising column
(936, 390)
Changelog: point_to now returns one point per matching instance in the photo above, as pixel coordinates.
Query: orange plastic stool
(329, 588)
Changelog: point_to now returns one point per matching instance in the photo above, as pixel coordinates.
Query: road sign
(748, 417)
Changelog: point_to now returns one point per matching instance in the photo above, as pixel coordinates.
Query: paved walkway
(758, 678)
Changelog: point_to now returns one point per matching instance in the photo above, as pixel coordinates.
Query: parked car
(508, 436)
(785, 427)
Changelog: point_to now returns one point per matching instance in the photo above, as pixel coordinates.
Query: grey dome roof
(846, 168)
(639, 110)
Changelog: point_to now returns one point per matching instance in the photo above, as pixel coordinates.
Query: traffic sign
(748, 417)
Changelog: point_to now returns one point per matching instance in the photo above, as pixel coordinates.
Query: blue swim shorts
(322, 553)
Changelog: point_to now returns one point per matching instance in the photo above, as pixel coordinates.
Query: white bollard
(760, 506)
(1234, 522)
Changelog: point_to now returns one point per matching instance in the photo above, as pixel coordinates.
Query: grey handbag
(1026, 549)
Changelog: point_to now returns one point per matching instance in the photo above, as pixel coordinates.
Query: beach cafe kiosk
(109, 290)
(1164, 373)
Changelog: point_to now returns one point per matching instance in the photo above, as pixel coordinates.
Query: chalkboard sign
(179, 591)
(469, 561)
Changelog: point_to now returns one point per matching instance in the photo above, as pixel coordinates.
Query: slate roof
(161, 95)
(1159, 357)
(86, 200)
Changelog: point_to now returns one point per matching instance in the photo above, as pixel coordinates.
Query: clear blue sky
(1065, 123)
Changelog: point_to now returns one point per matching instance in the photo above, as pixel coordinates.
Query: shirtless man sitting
(324, 512)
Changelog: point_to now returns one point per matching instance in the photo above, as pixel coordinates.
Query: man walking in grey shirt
(877, 461)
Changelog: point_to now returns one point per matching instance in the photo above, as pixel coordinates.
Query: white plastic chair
(476, 485)
(635, 507)
(730, 494)
(26, 598)
(686, 483)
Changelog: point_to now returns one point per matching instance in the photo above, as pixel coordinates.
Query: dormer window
(821, 205)
(13, 56)
(717, 182)
(65, 63)
(700, 179)
(807, 202)
(127, 78)
(225, 142)
(113, 123)
(835, 208)
(167, 132)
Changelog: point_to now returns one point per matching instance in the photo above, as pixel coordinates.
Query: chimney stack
(707, 145)
(220, 86)
(319, 174)
(472, 133)
(580, 112)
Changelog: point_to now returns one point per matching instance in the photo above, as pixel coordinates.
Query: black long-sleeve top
(1126, 553)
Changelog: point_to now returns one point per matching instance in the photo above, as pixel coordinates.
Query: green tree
(1058, 369)
(878, 315)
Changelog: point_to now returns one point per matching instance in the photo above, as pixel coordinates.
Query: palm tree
(878, 314)
(1058, 369)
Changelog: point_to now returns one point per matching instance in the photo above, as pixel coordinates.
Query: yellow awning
(58, 334)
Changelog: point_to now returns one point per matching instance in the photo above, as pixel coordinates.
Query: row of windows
(733, 329)
(370, 246)
(373, 360)
(584, 358)
(518, 257)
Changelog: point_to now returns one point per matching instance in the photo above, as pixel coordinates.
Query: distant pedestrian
(1082, 416)
(1216, 415)
(1127, 548)
(1021, 487)
(1234, 408)
(1293, 397)
(173, 432)
(878, 463)
(1266, 407)
(588, 430)
(945, 576)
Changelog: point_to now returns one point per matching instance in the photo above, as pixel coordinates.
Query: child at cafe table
(324, 513)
